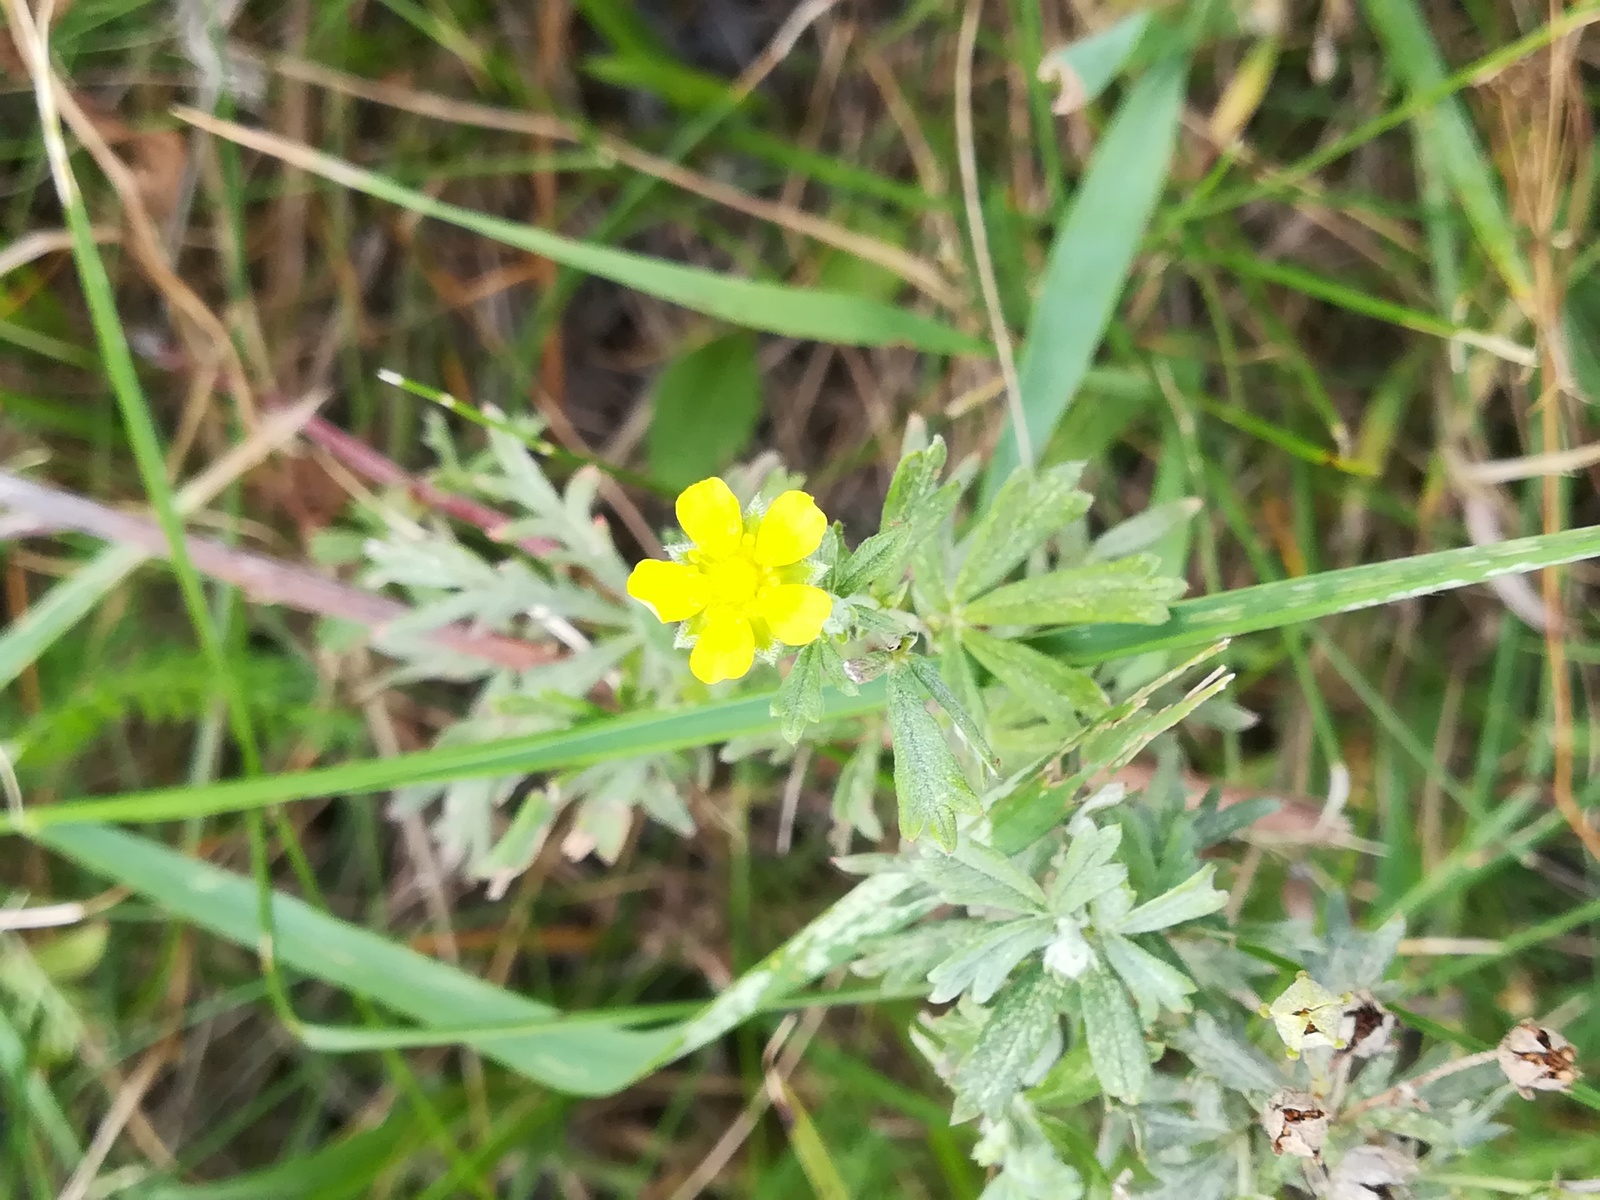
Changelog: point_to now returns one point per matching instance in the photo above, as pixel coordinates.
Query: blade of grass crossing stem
(1193, 622)
(117, 358)
(1291, 601)
(589, 1057)
(773, 308)
(1093, 254)
(1413, 54)
(62, 607)
(583, 1060)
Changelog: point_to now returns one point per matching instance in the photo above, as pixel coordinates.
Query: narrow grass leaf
(1093, 255)
(589, 1060)
(1291, 601)
(1411, 52)
(751, 304)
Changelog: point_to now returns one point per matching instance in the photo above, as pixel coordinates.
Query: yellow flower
(743, 586)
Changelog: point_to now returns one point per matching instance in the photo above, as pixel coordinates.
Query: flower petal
(794, 611)
(709, 513)
(673, 591)
(791, 529)
(726, 649)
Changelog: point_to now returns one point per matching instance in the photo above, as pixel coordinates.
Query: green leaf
(916, 477)
(1085, 67)
(928, 780)
(1018, 1030)
(1402, 27)
(1292, 601)
(915, 506)
(1128, 590)
(706, 406)
(981, 967)
(797, 312)
(1230, 1060)
(1190, 900)
(1087, 871)
(1155, 985)
(1140, 533)
(971, 881)
(1037, 679)
(927, 674)
(799, 699)
(855, 794)
(1092, 257)
(1029, 508)
(1116, 1042)
(634, 735)
(583, 1059)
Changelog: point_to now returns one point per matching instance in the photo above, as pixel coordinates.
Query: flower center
(733, 580)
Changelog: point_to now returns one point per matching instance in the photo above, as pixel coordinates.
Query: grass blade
(601, 741)
(1290, 601)
(589, 1060)
(1193, 622)
(798, 312)
(1092, 255)
(1412, 52)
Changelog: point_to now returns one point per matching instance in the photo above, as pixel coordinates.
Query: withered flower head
(1366, 1026)
(1370, 1173)
(1296, 1123)
(1537, 1059)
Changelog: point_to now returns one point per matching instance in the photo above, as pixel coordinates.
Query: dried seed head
(1537, 1059)
(1370, 1173)
(1307, 1015)
(1296, 1123)
(1366, 1027)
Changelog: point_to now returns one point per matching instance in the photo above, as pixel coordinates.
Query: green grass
(1311, 334)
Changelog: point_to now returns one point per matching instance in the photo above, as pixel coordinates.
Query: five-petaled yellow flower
(743, 586)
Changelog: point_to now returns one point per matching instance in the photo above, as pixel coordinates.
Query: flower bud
(1537, 1059)
(1296, 1123)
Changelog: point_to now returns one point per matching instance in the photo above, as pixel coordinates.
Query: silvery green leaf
(1155, 985)
(979, 968)
(1019, 1026)
(928, 676)
(1033, 1172)
(915, 479)
(1190, 900)
(600, 828)
(978, 877)
(574, 675)
(1358, 959)
(432, 561)
(1069, 1083)
(799, 699)
(906, 958)
(1227, 1058)
(1027, 510)
(1087, 870)
(1216, 824)
(857, 789)
(1118, 745)
(1051, 688)
(928, 780)
(879, 561)
(519, 845)
(1116, 1042)
(1141, 533)
(1127, 591)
